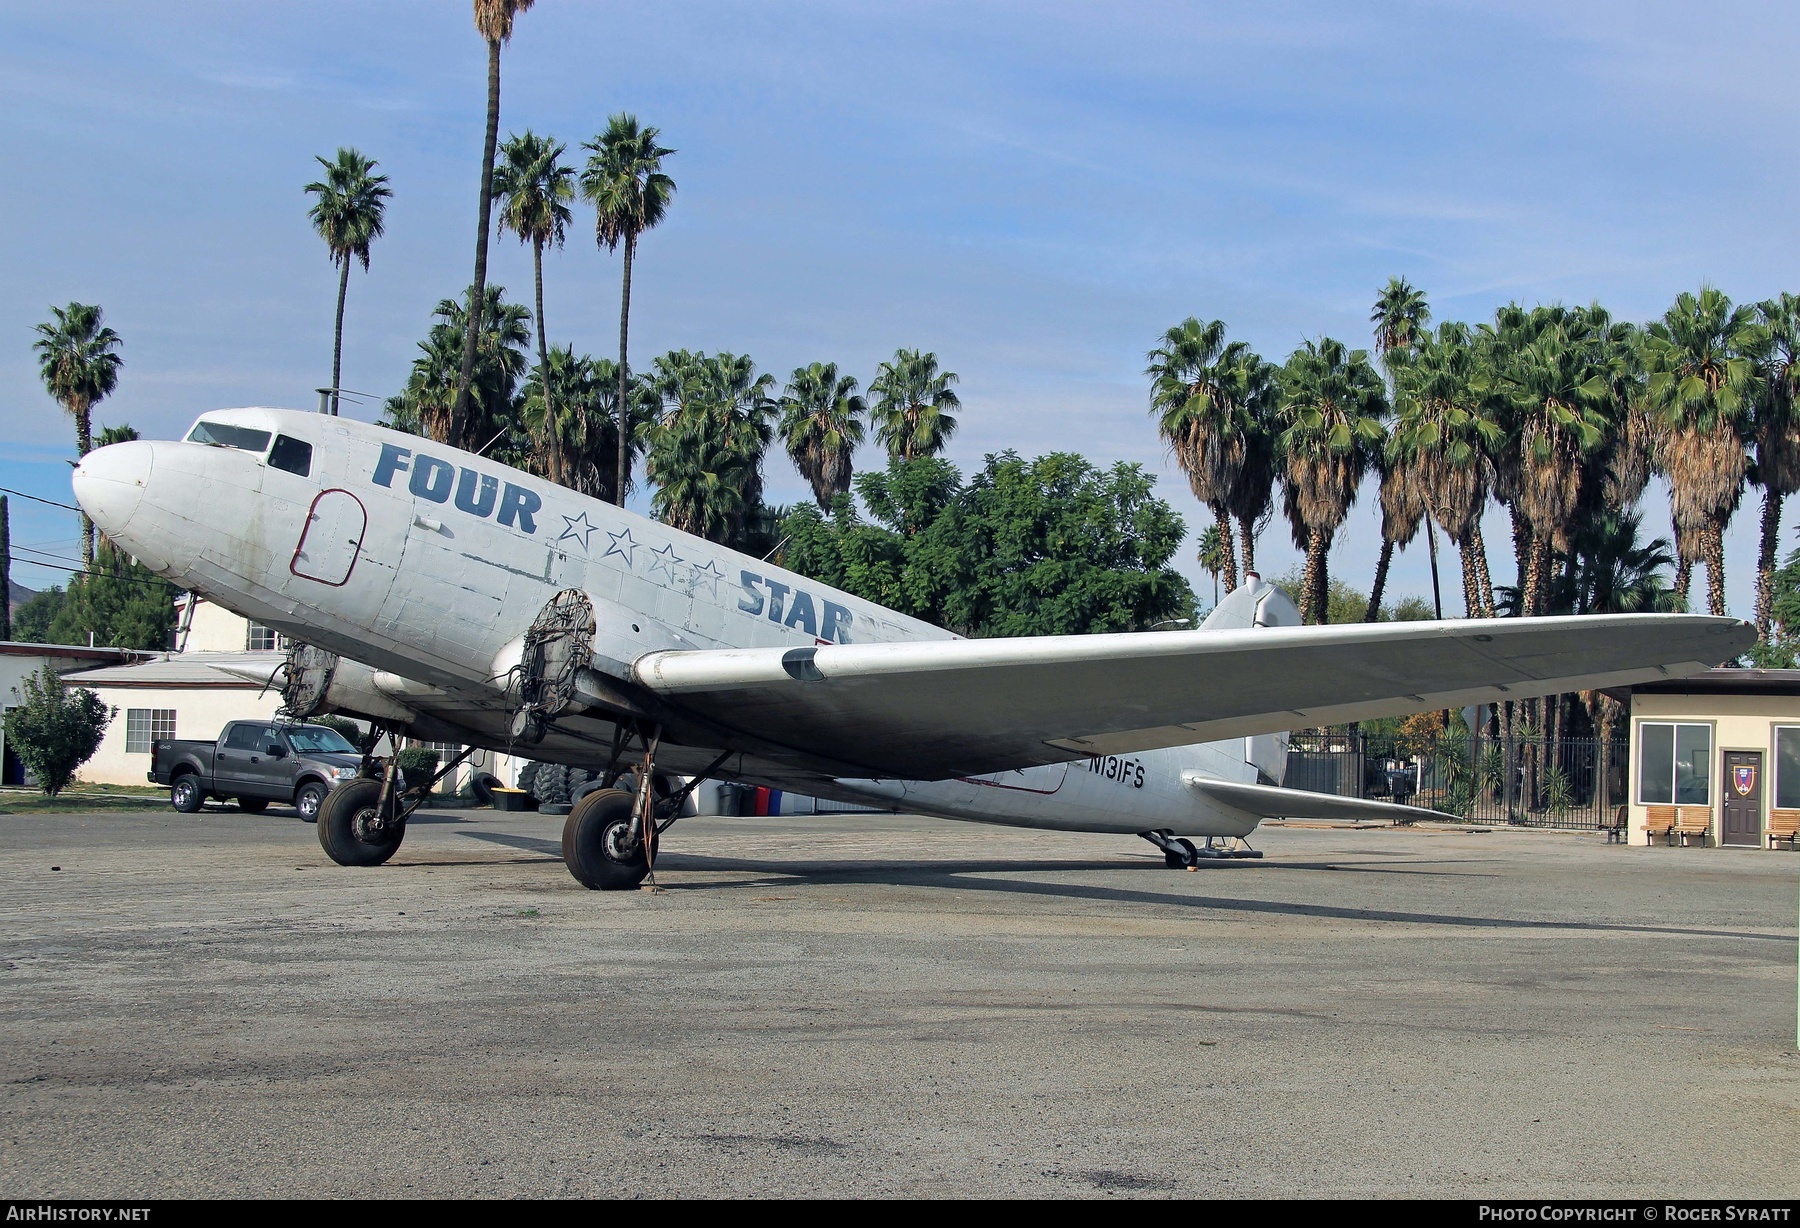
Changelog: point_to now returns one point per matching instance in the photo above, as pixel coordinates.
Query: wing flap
(934, 709)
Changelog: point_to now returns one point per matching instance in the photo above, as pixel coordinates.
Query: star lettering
(579, 530)
(664, 560)
(622, 545)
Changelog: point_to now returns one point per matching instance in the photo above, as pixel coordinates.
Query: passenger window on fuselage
(291, 454)
(224, 435)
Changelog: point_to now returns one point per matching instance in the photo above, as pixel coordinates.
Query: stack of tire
(554, 786)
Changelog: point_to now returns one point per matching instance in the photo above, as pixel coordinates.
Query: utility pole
(5, 572)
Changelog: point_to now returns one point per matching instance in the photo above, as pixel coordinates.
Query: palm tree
(1214, 403)
(500, 360)
(494, 22)
(911, 403)
(1776, 434)
(1444, 432)
(534, 189)
(79, 362)
(1703, 391)
(821, 422)
(1557, 388)
(348, 212)
(582, 434)
(1400, 317)
(630, 193)
(1212, 555)
(1332, 406)
(704, 453)
(1402, 512)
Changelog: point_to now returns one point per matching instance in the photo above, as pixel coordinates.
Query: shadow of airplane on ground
(968, 876)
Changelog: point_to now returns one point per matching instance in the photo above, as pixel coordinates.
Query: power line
(7, 490)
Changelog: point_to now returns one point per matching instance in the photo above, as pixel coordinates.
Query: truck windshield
(315, 739)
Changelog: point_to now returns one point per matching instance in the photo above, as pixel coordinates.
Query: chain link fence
(1527, 780)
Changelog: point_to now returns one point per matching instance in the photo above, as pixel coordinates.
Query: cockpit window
(291, 454)
(224, 435)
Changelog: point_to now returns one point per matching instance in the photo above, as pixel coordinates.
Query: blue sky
(1033, 191)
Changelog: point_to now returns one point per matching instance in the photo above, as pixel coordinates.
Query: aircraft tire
(593, 837)
(1176, 861)
(338, 815)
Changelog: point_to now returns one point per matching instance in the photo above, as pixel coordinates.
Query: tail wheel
(597, 842)
(185, 794)
(1180, 861)
(350, 831)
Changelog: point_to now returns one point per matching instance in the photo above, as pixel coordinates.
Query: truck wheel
(597, 845)
(253, 805)
(307, 801)
(344, 825)
(185, 794)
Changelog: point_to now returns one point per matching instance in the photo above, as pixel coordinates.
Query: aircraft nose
(109, 484)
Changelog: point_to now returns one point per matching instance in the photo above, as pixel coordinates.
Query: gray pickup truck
(256, 762)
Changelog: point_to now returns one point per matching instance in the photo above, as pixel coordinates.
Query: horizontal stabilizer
(1268, 802)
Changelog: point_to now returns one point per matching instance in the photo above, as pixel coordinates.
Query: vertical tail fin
(1258, 603)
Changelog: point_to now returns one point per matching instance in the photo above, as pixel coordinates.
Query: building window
(263, 639)
(1787, 767)
(144, 726)
(1674, 764)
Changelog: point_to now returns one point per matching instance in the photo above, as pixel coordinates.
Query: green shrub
(416, 761)
(56, 729)
(345, 727)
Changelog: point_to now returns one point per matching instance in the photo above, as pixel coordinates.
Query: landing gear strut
(363, 821)
(611, 836)
(1179, 852)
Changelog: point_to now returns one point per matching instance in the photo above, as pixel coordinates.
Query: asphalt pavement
(879, 1005)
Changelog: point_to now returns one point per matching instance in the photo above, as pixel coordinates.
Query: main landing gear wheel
(597, 842)
(349, 830)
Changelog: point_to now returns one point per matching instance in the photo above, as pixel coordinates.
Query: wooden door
(1743, 797)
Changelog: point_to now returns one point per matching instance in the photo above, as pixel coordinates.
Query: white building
(19, 661)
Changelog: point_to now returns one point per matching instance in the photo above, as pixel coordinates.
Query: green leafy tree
(584, 429)
(1332, 406)
(349, 208)
(79, 361)
(535, 189)
(120, 603)
(630, 192)
(494, 22)
(56, 729)
(821, 423)
(1052, 546)
(36, 614)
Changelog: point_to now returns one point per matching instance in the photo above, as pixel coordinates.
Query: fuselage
(428, 563)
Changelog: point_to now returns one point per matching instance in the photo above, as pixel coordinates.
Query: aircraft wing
(941, 708)
(1268, 802)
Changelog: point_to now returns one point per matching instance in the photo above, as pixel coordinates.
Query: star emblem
(709, 575)
(664, 560)
(622, 545)
(578, 529)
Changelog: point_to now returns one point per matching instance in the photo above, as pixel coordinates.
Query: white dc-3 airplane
(448, 597)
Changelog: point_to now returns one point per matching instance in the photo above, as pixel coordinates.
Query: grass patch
(81, 798)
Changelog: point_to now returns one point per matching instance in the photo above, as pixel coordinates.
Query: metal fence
(1529, 781)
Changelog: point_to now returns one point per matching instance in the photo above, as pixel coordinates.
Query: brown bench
(1784, 825)
(1691, 821)
(1684, 821)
